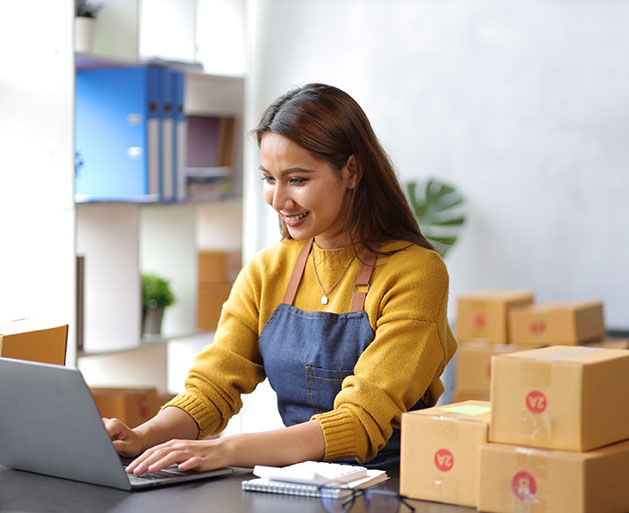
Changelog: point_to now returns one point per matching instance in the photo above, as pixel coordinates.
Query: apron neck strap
(298, 270)
(362, 280)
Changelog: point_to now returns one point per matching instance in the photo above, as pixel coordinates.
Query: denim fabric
(306, 357)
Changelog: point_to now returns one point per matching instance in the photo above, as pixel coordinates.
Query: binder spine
(181, 131)
(167, 89)
(153, 132)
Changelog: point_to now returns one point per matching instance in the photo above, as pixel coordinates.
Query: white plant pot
(83, 34)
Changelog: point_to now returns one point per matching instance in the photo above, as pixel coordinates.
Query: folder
(114, 137)
(153, 130)
(167, 139)
(181, 130)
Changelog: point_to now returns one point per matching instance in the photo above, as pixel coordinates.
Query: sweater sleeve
(412, 345)
(228, 367)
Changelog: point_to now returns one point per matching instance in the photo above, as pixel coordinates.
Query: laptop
(50, 425)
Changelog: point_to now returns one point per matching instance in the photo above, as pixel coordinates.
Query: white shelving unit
(120, 240)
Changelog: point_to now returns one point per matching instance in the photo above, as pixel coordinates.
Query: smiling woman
(346, 315)
(311, 197)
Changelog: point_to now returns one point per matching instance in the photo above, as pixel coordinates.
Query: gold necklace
(324, 298)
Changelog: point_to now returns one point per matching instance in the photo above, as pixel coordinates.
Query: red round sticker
(444, 460)
(479, 320)
(538, 326)
(524, 485)
(536, 401)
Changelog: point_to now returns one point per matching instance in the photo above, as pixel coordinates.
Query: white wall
(521, 104)
(37, 263)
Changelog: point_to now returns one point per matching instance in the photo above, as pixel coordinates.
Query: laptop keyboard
(172, 471)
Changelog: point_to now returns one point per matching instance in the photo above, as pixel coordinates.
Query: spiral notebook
(305, 479)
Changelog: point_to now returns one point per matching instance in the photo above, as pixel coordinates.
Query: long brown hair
(330, 124)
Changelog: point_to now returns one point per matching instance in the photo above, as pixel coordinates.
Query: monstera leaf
(438, 209)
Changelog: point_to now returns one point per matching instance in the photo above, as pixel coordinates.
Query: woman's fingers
(187, 454)
(124, 439)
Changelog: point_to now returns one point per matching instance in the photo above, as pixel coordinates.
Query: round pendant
(324, 300)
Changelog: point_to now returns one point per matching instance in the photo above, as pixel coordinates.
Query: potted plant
(85, 13)
(156, 296)
(437, 207)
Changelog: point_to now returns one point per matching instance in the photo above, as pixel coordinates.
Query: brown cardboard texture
(35, 340)
(561, 397)
(458, 396)
(210, 304)
(439, 452)
(473, 365)
(562, 323)
(484, 314)
(133, 406)
(518, 479)
(611, 343)
(218, 267)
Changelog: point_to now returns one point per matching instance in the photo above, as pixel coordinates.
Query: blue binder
(181, 185)
(117, 134)
(167, 137)
(154, 132)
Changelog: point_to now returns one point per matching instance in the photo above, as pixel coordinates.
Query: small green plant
(437, 207)
(156, 292)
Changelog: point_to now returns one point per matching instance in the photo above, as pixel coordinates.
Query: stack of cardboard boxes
(482, 330)
(555, 436)
(554, 439)
(217, 272)
(493, 322)
(558, 433)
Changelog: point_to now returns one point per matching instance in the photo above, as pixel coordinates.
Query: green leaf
(156, 292)
(438, 208)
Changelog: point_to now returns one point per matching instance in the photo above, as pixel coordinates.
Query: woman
(346, 315)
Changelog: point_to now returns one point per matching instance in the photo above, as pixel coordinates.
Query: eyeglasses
(336, 498)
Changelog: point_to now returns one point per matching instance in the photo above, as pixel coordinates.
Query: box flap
(569, 354)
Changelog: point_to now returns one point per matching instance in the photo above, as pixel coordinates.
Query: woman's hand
(169, 423)
(279, 447)
(186, 454)
(124, 439)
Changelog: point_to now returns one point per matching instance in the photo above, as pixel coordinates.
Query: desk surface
(25, 492)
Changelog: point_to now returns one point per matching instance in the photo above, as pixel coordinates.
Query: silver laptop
(49, 424)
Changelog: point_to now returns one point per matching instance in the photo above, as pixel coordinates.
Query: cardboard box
(458, 396)
(611, 343)
(210, 304)
(439, 452)
(30, 339)
(562, 397)
(485, 314)
(133, 406)
(563, 323)
(473, 365)
(218, 267)
(517, 479)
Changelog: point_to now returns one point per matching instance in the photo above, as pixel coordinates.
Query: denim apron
(308, 354)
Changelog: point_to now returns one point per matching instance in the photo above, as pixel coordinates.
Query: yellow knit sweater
(406, 305)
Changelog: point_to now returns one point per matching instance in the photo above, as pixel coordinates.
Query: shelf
(95, 61)
(149, 341)
(203, 174)
(162, 364)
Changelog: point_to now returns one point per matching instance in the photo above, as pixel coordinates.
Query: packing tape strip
(449, 429)
(530, 481)
(533, 375)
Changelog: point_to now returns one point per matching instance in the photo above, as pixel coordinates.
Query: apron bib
(308, 354)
